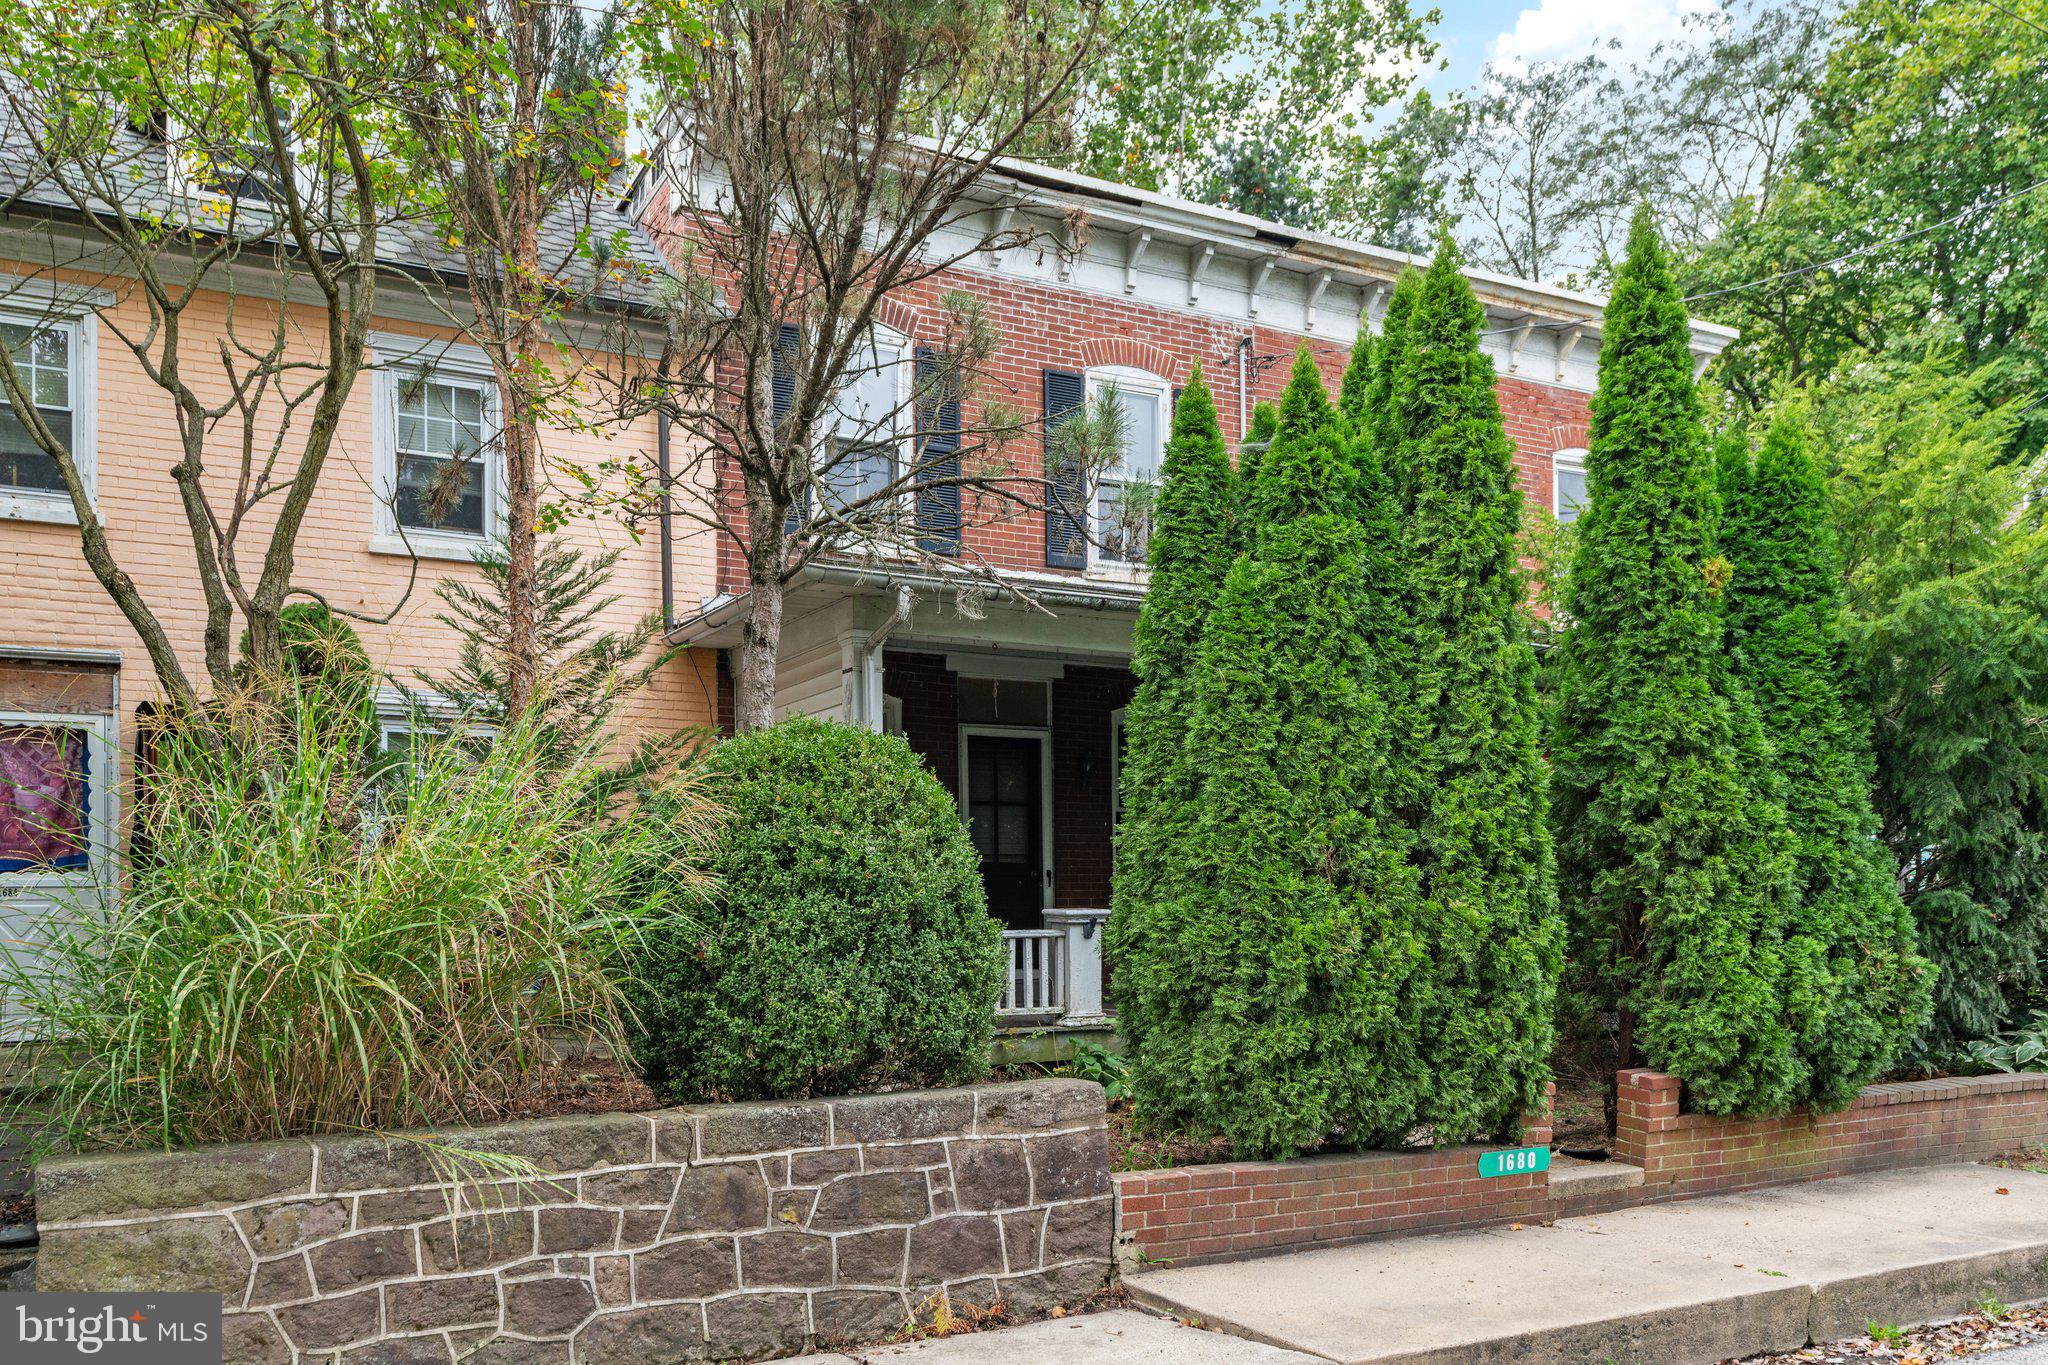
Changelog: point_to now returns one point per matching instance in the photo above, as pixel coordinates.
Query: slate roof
(142, 160)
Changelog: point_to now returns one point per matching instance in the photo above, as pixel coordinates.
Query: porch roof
(716, 623)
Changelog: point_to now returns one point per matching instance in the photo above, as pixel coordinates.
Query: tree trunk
(753, 680)
(520, 437)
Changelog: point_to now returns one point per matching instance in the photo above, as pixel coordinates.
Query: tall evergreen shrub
(1856, 991)
(1191, 550)
(1279, 1010)
(1381, 426)
(1482, 848)
(1675, 867)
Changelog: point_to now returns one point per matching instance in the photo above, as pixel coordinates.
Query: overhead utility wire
(1805, 270)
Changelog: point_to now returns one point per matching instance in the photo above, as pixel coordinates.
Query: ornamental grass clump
(320, 939)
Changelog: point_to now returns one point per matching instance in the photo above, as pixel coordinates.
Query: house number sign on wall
(1514, 1161)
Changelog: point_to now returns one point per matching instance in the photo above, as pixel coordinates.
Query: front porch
(1017, 707)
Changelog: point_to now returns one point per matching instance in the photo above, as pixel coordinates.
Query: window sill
(55, 509)
(458, 550)
(1119, 573)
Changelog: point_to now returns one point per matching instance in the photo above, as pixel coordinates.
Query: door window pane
(43, 806)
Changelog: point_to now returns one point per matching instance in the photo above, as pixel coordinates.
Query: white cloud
(1556, 30)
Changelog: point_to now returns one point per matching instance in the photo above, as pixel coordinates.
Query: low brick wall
(714, 1232)
(1906, 1124)
(1246, 1208)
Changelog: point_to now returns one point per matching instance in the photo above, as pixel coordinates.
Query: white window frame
(902, 429)
(1571, 457)
(102, 802)
(1124, 379)
(399, 358)
(183, 179)
(71, 310)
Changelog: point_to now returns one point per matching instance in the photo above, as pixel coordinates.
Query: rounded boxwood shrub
(847, 945)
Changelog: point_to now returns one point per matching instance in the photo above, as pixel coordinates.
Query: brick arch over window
(1097, 352)
(897, 314)
(1570, 436)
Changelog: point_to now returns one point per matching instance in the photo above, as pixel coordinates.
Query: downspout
(1244, 385)
(668, 566)
(869, 659)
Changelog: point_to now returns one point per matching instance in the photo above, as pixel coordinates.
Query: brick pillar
(1536, 1124)
(1646, 1107)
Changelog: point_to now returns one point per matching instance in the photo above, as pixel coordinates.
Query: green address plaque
(1514, 1161)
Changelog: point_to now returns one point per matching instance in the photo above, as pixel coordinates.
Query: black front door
(1006, 815)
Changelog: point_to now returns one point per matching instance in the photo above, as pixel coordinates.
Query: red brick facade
(1043, 326)
(1908, 1124)
(1241, 1208)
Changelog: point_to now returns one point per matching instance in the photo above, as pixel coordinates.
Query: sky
(1475, 32)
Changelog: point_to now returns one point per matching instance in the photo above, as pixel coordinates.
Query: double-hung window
(53, 358)
(864, 435)
(440, 463)
(1122, 504)
(1568, 478)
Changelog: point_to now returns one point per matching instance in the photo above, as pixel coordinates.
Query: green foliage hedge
(1674, 861)
(1855, 990)
(1271, 999)
(848, 945)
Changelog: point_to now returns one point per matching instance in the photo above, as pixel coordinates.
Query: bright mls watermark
(110, 1329)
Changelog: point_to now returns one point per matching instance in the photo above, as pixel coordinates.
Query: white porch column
(1083, 930)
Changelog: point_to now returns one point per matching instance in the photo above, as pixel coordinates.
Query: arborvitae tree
(1675, 870)
(1191, 549)
(1354, 395)
(1257, 437)
(1482, 850)
(1279, 1010)
(1380, 417)
(1857, 992)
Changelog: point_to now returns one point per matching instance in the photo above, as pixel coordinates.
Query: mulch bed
(583, 1085)
(1973, 1336)
(1131, 1149)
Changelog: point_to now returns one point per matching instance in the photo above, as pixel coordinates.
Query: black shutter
(938, 454)
(1066, 483)
(782, 383)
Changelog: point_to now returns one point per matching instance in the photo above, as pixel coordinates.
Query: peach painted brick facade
(53, 601)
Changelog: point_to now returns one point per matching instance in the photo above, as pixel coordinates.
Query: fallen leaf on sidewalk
(1517, 1227)
(2003, 1190)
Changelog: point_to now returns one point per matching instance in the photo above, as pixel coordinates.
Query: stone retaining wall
(722, 1231)
(1219, 1212)
(1905, 1124)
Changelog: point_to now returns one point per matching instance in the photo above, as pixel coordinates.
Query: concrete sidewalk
(1120, 1337)
(1703, 1281)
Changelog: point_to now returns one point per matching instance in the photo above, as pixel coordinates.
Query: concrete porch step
(1580, 1187)
(1703, 1281)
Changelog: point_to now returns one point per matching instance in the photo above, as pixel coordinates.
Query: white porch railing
(1055, 973)
(1036, 982)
